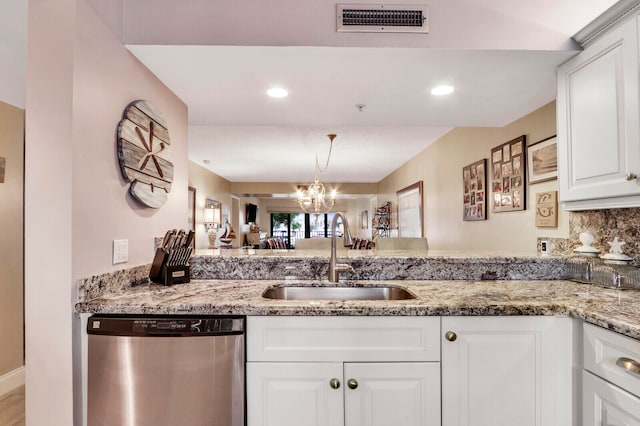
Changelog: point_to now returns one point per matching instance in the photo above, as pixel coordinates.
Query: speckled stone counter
(371, 265)
(238, 264)
(614, 309)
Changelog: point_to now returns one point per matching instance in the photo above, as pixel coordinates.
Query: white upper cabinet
(599, 123)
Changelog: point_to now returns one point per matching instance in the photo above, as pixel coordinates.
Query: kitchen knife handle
(165, 239)
(189, 239)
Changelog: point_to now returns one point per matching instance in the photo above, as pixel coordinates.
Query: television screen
(252, 213)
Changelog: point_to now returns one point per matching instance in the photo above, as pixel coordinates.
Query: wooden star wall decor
(143, 153)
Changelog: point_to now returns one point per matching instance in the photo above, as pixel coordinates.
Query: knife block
(162, 273)
(178, 274)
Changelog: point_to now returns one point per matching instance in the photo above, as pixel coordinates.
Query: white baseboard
(11, 380)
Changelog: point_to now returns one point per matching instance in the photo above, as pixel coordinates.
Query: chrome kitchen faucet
(336, 268)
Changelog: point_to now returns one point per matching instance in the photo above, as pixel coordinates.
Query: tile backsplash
(605, 225)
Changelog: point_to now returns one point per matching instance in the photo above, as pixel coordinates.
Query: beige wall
(11, 243)
(79, 80)
(440, 168)
(354, 216)
(208, 185)
(107, 78)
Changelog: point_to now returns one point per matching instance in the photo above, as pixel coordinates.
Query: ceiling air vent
(382, 18)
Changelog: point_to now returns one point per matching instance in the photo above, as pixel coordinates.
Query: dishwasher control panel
(165, 326)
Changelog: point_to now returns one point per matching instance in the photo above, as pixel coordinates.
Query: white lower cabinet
(604, 404)
(411, 371)
(404, 393)
(294, 394)
(334, 371)
(611, 378)
(351, 394)
(506, 371)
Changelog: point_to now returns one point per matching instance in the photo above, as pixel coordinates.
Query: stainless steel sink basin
(338, 293)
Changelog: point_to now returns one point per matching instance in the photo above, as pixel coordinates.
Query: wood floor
(12, 408)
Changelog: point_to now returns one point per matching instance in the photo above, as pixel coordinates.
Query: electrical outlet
(120, 251)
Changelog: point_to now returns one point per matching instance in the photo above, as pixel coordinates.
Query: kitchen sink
(338, 293)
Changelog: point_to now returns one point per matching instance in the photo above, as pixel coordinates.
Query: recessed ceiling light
(442, 90)
(277, 92)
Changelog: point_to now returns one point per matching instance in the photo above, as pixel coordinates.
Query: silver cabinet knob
(451, 336)
(352, 383)
(334, 383)
(631, 366)
(631, 176)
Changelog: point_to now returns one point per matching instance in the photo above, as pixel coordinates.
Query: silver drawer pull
(631, 176)
(334, 383)
(631, 366)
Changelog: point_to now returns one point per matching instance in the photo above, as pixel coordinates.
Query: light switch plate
(120, 251)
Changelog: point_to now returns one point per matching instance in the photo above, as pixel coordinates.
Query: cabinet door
(406, 394)
(294, 394)
(598, 125)
(607, 405)
(504, 371)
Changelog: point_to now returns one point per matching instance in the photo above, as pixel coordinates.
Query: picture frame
(547, 209)
(542, 160)
(508, 175)
(364, 220)
(410, 211)
(474, 199)
(191, 211)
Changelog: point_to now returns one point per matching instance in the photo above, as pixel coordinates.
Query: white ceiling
(249, 137)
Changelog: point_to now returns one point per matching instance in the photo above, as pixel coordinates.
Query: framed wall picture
(543, 160)
(410, 211)
(191, 212)
(547, 209)
(364, 220)
(508, 175)
(474, 177)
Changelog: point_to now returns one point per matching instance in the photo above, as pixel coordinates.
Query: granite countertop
(467, 255)
(610, 308)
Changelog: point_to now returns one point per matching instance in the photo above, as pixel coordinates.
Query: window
(293, 226)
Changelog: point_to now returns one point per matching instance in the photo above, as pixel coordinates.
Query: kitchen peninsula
(526, 309)
(444, 283)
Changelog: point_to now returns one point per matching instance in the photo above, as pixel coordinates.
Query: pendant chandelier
(312, 198)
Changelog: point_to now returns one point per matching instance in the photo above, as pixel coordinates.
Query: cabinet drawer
(343, 339)
(604, 404)
(603, 349)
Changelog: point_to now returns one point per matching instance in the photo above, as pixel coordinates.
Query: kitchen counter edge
(616, 310)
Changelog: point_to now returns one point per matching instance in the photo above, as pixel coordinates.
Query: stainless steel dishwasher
(174, 370)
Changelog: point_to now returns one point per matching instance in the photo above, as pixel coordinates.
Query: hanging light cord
(320, 169)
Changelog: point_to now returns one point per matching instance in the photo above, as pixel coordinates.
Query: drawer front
(603, 349)
(604, 404)
(343, 338)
